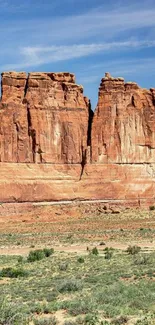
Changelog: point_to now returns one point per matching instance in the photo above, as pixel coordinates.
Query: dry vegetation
(101, 271)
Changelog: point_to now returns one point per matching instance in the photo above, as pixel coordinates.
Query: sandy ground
(46, 224)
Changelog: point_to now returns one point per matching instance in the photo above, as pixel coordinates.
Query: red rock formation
(123, 129)
(119, 184)
(44, 118)
(47, 127)
(14, 142)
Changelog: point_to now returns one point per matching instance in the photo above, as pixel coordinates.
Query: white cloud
(25, 42)
(97, 22)
(35, 56)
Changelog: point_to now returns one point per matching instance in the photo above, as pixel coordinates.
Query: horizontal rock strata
(124, 184)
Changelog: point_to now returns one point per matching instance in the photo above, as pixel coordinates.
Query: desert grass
(91, 289)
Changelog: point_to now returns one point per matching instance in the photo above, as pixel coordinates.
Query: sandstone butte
(53, 147)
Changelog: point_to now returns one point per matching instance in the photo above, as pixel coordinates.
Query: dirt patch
(64, 225)
(79, 249)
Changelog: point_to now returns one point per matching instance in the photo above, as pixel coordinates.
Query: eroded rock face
(43, 118)
(14, 141)
(123, 129)
(52, 148)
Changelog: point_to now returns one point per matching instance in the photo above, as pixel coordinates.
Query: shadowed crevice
(90, 120)
(32, 134)
(83, 162)
(26, 86)
(89, 131)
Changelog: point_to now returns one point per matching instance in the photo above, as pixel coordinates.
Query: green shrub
(108, 249)
(133, 250)
(42, 308)
(70, 322)
(18, 243)
(145, 321)
(102, 243)
(20, 259)
(152, 207)
(95, 251)
(45, 321)
(141, 260)
(91, 319)
(48, 251)
(78, 307)
(80, 259)
(36, 255)
(108, 253)
(51, 296)
(70, 285)
(39, 254)
(120, 321)
(37, 308)
(63, 266)
(11, 272)
(13, 313)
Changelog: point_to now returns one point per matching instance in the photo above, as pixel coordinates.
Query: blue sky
(86, 37)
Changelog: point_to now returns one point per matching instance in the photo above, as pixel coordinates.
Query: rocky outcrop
(52, 146)
(14, 144)
(123, 129)
(43, 118)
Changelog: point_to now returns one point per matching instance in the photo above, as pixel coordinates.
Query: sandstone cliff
(53, 148)
(123, 128)
(43, 118)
